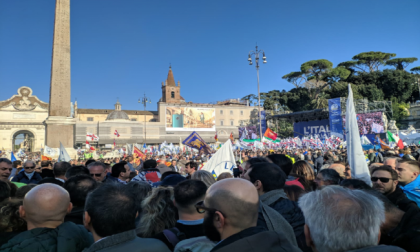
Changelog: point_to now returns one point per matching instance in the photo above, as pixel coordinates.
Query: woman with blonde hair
(159, 212)
(204, 176)
(305, 171)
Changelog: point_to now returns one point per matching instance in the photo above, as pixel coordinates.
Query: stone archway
(23, 139)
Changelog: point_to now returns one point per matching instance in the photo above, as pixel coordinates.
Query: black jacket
(407, 234)
(291, 212)
(399, 198)
(256, 239)
(68, 237)
(75, 216)
(187, 232)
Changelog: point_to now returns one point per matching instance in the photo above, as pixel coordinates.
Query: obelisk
(59, 124)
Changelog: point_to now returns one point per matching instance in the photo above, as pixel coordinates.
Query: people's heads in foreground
(384, 179)
(230, 206)
(97, 170)
(5, 169)
(109, 210)
(340, 219)
(327, 177)
(265, 177)
(408, 171)
(45, 206)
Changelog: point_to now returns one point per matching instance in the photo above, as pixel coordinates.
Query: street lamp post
(256, 55)
(144, 100)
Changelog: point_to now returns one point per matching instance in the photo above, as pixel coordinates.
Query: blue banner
(263, 122)
(335, 118)
(318, 128)
(195, 141)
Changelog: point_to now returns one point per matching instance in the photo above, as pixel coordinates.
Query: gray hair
(341, 219)
(204, 176)
(28, 161)
(97, 164)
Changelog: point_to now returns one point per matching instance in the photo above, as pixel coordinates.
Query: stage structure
(372, 119)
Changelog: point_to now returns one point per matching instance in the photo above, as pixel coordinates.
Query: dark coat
(75, 216)
(399, 198)
(407, 234)
(68, 237)
(255, 239)
(22, 178)
(291, 212)
(318, 163)
(127, 241)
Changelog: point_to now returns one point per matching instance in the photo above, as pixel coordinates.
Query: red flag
(215, 138)
(45, 158)
(231, 137)
(116, 133)
(270, 134)
(114, 142)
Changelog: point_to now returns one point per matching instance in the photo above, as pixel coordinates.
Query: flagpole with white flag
(355, 156)
(222, 161)
(64, 156)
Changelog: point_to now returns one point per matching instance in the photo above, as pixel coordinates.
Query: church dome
(117, 114)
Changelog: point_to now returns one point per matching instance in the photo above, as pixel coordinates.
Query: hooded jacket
(67, 237)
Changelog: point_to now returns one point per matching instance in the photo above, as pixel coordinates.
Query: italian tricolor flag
(395, 139)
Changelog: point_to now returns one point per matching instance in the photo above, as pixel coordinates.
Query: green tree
(415, 69)
(316, 76)
(396, 83)
(399, 110)
(400, 63)
(250, 98)
(368, 61)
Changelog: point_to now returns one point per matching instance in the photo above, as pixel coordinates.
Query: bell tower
(171, 93)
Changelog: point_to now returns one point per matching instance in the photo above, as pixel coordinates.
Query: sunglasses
(30, 167)
(202, 209)
(383, 180)
(96, 174)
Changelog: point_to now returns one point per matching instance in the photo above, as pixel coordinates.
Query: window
(133, 119)
(90, 119)
(221, 112)
(231, 112)
(242, 112)
(231, 122)
(172, 94)
(221, 122)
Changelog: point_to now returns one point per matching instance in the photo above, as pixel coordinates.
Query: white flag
(64, 156)
(222, 161)
(129, 149)
(356, 158)
(50, 152)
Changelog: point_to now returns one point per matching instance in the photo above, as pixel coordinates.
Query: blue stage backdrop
(312, 128)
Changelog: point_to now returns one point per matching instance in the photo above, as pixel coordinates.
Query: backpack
(173, 235)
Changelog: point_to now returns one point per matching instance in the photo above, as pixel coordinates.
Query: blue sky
(122, 49)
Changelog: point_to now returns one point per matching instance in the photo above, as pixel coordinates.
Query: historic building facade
(173, 122)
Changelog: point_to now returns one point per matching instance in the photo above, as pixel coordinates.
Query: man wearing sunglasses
(385, 180)
(230, 218)
(28, 174)
(408, 176)
(97, 170)
(5, 169)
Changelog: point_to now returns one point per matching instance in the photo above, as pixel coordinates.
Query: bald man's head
(237, 199)
(340, 168)
(45, 206)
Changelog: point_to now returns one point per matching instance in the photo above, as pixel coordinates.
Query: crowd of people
(284, 200)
